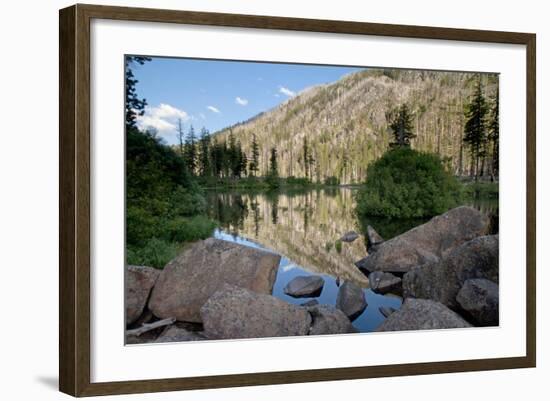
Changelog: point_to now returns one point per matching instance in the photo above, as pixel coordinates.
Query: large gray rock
(176, 333)
(374, 240)
(329, 320)
(479, 298)
(305, 286)
(428, 242)
(138, 282)
(386, 310)
(191, 278)
(351, 300)
(422, 314)
(383, 282)
(234, 312)
(350, 236)
(442, 280)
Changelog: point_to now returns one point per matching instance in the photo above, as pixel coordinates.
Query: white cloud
(213, 109)
(241, 101)
(286, 91)
(162, 118)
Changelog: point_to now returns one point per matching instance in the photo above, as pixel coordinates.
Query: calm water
(303, 227)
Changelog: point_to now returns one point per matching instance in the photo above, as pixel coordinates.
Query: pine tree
(181, 136)
(306, 156)
(494, 132)
(475, 134)
(205, 168)
(191, 151)
(254, 162)
(401, 127)
(273, 169)
(134, 105)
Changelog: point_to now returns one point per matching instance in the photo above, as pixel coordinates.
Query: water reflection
(302, 225)
(304, 228)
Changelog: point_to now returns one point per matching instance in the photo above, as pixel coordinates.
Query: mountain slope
(346, 122)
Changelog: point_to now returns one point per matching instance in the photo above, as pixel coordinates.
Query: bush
(189, 229)
(405, 183)
(334, 181)
(156, 253)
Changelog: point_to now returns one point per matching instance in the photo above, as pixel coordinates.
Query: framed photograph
(250, 200)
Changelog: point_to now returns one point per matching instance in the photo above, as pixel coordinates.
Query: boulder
(329, 320)
(428, 242)
(351, 300)
(479, 299)
(374, 240)
(138, 282)
(386, 310)
(191, 278)
(234, 312)
(305, 286)
(441, 281)
(422, 314)
(311, 302)
(175, 333)
(361, 265)
(350, 236)
(383, 282)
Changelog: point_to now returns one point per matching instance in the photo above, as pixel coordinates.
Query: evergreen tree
(273, 174)
(181, 136)
(191, 151)
(254, 162)
(134, 105)
(273, 169)
(216, 157)
(494, 132)
(205, 168)
(306, 156)
(401, 127)
(475, 134)
(244, 162)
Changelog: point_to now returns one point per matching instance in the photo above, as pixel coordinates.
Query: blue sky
(216, 94)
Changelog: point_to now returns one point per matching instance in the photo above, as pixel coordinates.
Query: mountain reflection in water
(303, 226)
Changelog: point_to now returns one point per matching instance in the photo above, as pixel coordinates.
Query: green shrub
(156, 253)
(405, 183)
(183, 229)
(334, 181)
(338, 246)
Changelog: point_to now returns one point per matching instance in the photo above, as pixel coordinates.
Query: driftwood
(150, 326)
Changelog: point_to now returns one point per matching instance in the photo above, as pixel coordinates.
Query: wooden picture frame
(74, 204)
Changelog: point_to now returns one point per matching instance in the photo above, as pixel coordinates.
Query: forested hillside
(336, 130)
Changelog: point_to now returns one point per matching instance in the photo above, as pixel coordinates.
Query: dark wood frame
(74, 199)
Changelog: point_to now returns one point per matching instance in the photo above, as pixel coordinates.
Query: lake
(303, 227)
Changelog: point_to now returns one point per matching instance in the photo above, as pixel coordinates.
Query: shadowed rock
(305, 286)
(479, 298)
(311, 302)
(350, 236)
(374, 240)
(351, 300)
(234, 312)
(383, 282)
(422, 314)
(191, 278)
(177, 334)
(138, 282)
(329, 320)
(443, 280)
(386, 310)
(428, 242)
